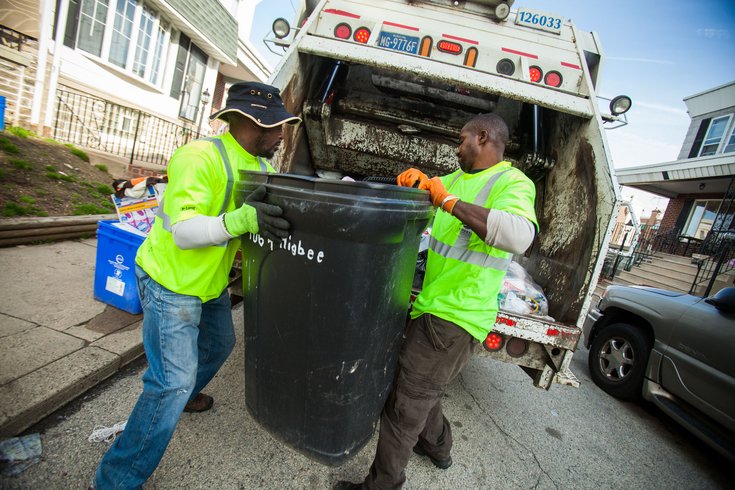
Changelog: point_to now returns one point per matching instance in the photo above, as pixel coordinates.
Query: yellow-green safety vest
(201, 179)
(463, 273)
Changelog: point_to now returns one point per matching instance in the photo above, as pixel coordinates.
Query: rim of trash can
(349, 189)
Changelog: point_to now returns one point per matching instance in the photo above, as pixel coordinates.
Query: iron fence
(99, 124)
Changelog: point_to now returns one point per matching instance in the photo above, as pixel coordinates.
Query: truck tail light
(506, 67)
(493, 342)
(362, 34)
(426, 44)
(516, 347)
(553, 79)
(449, 47)
(470, 59)
(343, 31)
(535, 73)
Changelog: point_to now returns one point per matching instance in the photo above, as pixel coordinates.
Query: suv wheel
(617, 360)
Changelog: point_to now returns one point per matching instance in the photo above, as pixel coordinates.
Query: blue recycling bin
(2, 113)
(114, 275)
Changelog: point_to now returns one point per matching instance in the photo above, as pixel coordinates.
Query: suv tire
(618, 358)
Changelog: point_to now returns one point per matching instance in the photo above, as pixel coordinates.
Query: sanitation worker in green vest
(182, 269)
(485, 214)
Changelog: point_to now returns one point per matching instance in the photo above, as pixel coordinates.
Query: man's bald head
(495, 127)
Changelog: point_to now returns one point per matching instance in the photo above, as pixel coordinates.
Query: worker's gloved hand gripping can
(256, 216)
(440, 198)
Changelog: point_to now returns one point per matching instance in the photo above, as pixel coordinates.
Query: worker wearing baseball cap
(182, 269)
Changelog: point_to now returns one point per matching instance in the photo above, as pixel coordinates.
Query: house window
(730, 145)
(161, 41)
(714, 135)
(191, 64)
(126, 33)
(701, 218)
(122, 31)
(92, 20)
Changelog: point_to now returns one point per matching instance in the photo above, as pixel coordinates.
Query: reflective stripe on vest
(459, 250)
(166, 219)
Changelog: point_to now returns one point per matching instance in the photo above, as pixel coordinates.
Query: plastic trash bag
(520, 294)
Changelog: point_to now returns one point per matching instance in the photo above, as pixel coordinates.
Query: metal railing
(714, 256)
(719, 248)
(102, 125)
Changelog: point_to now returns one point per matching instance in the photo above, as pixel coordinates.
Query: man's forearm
(200, 231)
(500, 229)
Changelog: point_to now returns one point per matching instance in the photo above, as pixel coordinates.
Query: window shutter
(703, 126)
(180, 66)
(72, 22)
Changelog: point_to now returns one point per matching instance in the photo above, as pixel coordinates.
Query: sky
(657, 52)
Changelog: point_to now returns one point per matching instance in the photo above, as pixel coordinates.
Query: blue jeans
(186, 342)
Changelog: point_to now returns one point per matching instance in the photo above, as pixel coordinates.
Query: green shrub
(50, 168)
(27, 199)
(8, 147)
(20, 164)
(102, 167)
(80, 154)
(20, 132)
(89, 209)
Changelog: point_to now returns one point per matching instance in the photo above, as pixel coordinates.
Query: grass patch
(20, 132)
(2, 174)
(15, 209)
(104, 189)
(20, 164)
(81, 154)
(50, 168)
(89, 209)
(8, 147)
(58, 176)
(101, 167)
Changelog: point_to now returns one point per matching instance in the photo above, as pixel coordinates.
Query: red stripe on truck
(570, 65)
(471, 41)
(393, 24)
(342, 13)
(520, 53)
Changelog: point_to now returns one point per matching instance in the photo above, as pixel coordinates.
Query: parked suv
(673, 349)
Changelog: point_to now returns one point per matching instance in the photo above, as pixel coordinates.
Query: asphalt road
(507, 433)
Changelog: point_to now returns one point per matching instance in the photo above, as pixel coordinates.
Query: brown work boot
(200, 403)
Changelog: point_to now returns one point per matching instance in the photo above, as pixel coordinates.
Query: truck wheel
(618, 359)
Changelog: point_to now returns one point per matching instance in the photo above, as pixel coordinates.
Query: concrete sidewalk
(56, 340)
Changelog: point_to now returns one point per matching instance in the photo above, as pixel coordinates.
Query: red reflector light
(493, 341)
(362, 34)
(343, 31)
(535, 73)
(449, 47)
(553, 79)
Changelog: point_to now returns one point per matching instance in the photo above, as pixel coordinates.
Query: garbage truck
(384, 85)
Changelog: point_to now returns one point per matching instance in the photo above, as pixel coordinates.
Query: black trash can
(325, 309)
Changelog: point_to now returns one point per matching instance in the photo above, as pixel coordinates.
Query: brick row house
(700, 185)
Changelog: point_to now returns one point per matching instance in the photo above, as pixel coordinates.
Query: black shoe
(439, 463)
(347, 485)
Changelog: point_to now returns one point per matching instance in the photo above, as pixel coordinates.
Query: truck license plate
(399, 42)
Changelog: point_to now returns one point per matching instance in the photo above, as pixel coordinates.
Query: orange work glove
(440, 197)
(413, 177)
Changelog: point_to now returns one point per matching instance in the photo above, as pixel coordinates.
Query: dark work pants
(433, 354)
